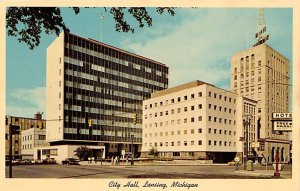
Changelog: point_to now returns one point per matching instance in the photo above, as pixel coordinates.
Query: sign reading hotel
(282, 122)
(282, 116)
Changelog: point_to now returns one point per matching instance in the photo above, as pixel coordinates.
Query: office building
(31, 138)
(261, 73)
(23, 124)
(195, 120)
(92, 92)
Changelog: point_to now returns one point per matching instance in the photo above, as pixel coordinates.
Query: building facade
(194, 121)
(262, 74)
(31, 138)
(17, 140)
(93, 91)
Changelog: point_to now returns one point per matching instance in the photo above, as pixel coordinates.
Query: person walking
(237, 162)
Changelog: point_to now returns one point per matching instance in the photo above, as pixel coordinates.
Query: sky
(196, 44)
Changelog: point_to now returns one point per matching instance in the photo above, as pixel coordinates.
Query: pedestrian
(89, 160)
(127, 159)
(93, 159)
(112, 160)
(237, 162)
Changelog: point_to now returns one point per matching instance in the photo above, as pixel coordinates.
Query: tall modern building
(93, 91)
(261, 73)
(196, 120)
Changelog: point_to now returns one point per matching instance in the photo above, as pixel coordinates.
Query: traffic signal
(135, 118)
(15, 129)
(90, 121)
(40, 124)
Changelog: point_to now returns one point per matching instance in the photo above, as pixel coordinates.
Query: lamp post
(246, 124)
(132, 137)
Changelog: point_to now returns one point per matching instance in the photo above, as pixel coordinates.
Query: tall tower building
(262, 74)
(94, 91)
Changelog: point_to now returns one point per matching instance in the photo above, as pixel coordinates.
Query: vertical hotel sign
(282, 121)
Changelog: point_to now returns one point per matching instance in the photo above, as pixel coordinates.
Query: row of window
(210, 130)
(192, 96)
(27, 138)
(190, 143)
(172, 111)
(172, 122)
(112, 59)
(192, 120)
(192, 131)
(221, 120)
(107, 71)
(29, 146)
(220, 108)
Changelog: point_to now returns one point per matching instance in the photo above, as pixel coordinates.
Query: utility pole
(10, 151)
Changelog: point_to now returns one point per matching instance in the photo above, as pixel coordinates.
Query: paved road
(142, 171)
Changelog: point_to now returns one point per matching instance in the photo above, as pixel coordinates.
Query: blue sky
(196, 44)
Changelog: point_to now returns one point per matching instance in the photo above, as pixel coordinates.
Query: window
(192, 108)
(192, 142)
(166, 112)
(192, 96)
(199, 118)
(215, 131)
(192, 131)
(209, 118)
(200, 142)
(192, 119)
(200, 106)
(172, 111)
(185, 97)
(172, 100)
(185, 120)
(209, 106)
(178, 110)
(215, 119)
(215, 143)
(209, 130)
(200, 94)
(215, 107)
(209, 142)
(178, 99)
(209, 94)
(220, 143)
(185, 131)
(185, 109)
(185, 143)
(215, 95)
(200, 130)
(220, 131)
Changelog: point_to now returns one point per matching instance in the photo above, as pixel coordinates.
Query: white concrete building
(194, 121)
(31, 138)
(61, 152)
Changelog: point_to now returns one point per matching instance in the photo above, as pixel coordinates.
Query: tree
(153, 151)
(35, 20)
(83, 152)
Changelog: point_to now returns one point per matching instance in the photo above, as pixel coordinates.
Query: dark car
(70, 161)
(49, 161)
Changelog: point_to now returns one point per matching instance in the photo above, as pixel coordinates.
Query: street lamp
(132, 137)
(246, 124)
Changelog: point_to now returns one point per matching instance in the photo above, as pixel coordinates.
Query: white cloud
(200, 46)
(26, 102)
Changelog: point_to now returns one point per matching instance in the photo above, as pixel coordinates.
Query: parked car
(70, 161)
(49, 161)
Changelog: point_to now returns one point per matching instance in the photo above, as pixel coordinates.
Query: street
(145, 171)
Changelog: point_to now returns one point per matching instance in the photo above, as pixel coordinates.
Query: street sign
(283, 125)
(282, 116)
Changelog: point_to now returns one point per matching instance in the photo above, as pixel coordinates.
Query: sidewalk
(154, 163)
(266, 173)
